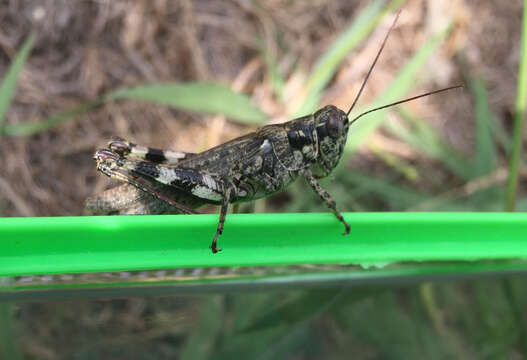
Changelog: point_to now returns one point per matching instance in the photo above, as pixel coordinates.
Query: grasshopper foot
(214, 246)
(214, 249)
(348, 228)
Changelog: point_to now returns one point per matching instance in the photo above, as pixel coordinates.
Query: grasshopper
(247, 168)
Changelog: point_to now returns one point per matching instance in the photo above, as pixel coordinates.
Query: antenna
(373, 64)
(370, 71)
(403, 101)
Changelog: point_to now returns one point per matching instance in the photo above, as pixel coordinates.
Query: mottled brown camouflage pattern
(247, 168)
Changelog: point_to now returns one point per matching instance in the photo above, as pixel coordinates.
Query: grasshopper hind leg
(324, 195)
(157, 156)
(110, 164)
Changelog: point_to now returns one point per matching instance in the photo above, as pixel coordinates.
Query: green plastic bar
(30, 246)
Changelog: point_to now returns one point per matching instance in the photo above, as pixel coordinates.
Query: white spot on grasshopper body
(173, 157)
(207, 193)
(209, 182)
(266, 145)
(167, 175)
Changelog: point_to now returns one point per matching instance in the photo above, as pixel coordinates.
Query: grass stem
(519, 116)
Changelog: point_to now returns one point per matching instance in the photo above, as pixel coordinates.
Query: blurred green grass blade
(8, 86)
(400, 165)
(486, 199)
(295, 315)
(307, 307)
(350, 186)
(486, 159)
(501, 136)
(252, 305)
(32, 128)
(9, 345)
(384, 309)
(385, 312)
(245, 346)
(201, 342)
(521, 204)
(277, 80)
(421, 136)
(201, 97)
(294, 342)
(193, 96)
(486, 152)
(404, 81)
(519, 117)
(482, 110)
(327, 65)
(290, 313)
(399, 197)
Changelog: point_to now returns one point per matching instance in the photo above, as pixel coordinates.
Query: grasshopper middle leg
(221, 222)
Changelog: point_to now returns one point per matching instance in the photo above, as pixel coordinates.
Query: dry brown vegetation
(84, 48)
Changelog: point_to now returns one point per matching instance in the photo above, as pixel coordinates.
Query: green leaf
(299, 309)
(399, 197)
(201, 97)
(420, 135)
(328, 64)
(404, 81)
(200, 343)
(245, 346)
(8, 86)
(501, 135)
(191, 96)
(486, 159)
(521, 204)
(9, 341)
(401, 336)
(396, 163)
(488, 198)
(519, 118)
(277, 80)
(35, 127)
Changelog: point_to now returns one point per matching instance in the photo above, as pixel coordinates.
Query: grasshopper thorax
(331, 125)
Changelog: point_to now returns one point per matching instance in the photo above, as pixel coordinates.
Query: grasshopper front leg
(324, 195)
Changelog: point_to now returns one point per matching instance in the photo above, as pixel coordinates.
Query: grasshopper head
(332, 131)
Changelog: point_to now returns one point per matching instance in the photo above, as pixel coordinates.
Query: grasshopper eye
(334, 126)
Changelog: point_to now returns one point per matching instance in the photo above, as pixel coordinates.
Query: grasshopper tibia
(324, 195)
